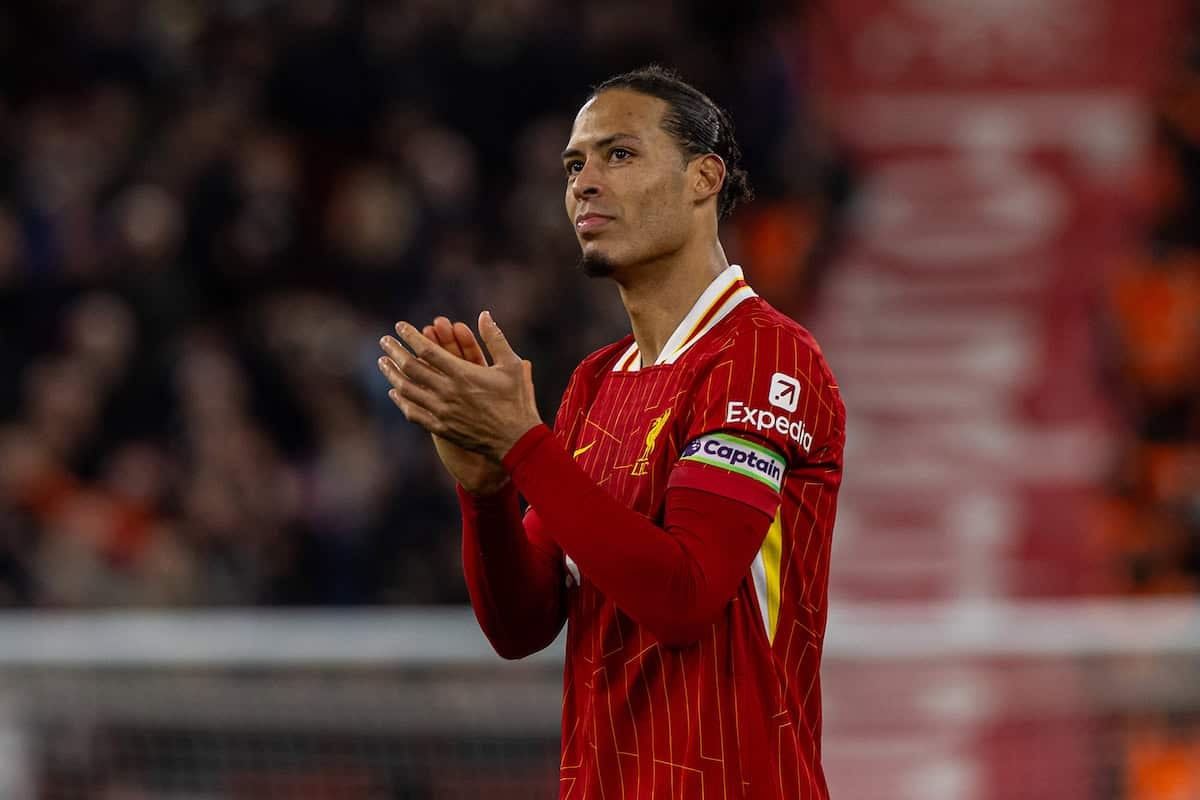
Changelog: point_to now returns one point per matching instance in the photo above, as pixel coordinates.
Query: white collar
(724, 294)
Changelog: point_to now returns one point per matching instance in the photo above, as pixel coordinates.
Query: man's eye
(573, 167)
(620, 153)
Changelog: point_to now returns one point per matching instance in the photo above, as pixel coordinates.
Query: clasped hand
(480, 408)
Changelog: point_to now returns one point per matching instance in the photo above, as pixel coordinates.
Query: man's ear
(708, 176)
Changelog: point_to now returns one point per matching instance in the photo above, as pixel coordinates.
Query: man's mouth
(586, 223)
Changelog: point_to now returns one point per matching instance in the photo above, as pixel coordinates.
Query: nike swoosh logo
(582, 450)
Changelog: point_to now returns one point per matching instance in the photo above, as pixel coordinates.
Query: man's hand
(472, 471)
(478, 408)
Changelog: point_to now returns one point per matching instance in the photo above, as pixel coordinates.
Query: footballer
(680, 510)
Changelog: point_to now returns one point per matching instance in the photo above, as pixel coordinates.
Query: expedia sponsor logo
(784, 392)
(764, 420)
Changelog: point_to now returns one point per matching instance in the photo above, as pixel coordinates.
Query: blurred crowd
(1151, 333)
(210, 213)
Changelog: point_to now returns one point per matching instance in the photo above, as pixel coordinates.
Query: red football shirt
(740, 403)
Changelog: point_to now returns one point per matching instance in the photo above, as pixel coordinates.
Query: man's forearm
(674, 580)
(516, 587)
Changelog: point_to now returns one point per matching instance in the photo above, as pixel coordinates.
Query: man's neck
(660, 296)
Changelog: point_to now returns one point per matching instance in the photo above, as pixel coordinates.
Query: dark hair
(698, 124)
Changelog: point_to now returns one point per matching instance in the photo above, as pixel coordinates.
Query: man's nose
(588, 180)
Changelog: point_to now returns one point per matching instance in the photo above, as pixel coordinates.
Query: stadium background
(232, 569)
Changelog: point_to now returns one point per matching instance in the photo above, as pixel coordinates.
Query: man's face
(626, 187)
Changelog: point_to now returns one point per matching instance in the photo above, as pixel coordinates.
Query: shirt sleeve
(515, 572)
(674, 579)
(514, 575)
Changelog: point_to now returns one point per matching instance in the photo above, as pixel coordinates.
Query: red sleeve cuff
(524, 446)
(724, 484)
(486, 502)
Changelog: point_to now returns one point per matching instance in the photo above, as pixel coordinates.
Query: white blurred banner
(929, 702)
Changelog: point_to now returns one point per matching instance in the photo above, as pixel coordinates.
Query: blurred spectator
(1151, 522)
(209, 214)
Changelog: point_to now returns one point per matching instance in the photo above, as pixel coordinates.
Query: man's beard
(596, 265)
